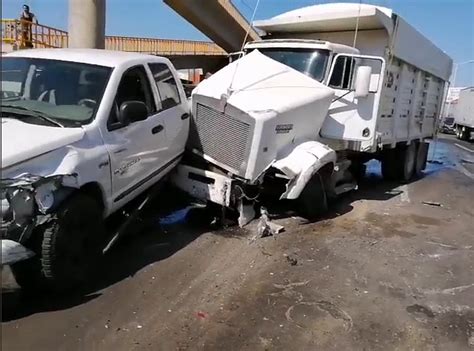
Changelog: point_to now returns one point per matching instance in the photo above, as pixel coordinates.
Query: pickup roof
(83, 133)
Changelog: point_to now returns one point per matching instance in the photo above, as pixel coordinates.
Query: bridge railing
(162, 46)
(24, 34)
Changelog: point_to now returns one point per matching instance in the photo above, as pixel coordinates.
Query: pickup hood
(22, 141)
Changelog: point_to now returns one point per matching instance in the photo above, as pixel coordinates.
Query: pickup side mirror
(362, 81)
(132, 111)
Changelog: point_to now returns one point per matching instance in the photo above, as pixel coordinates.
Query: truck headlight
(44, 196)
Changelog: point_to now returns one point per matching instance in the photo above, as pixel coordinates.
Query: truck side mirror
(132, 111)
(362, 81)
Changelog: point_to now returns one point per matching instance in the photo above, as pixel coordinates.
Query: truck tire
(313, 202)
(68, 248)
(465, 133)
(421, 158)
(390, 165)
(408, 156)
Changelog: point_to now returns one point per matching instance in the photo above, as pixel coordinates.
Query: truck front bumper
(13, 252)
(204, 185)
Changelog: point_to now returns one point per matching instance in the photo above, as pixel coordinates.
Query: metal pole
(87, 24)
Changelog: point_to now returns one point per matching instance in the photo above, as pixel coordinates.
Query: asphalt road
(383, 271)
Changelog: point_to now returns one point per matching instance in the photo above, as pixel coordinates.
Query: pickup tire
(68, 248)
(313, 202)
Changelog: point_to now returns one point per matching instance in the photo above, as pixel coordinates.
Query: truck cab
(84, 132)
(328, 88)
(311, 57)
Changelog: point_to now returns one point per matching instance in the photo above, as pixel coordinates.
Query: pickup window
(166, 85)
(134, 86)
(66, 92)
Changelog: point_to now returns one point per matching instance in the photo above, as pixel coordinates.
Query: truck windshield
(66, 92)
(308, 61)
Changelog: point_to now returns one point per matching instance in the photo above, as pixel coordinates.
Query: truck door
(173, 108)
(353, 118)
(138, 150)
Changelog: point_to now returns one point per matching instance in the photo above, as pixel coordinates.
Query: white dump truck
(84, 132)
(464, 114)
(327, 89)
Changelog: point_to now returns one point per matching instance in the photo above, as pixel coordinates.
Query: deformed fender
(301, 164)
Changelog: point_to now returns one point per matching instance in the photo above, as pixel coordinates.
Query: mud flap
(301, 164)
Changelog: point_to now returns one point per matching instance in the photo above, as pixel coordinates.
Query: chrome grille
(220, 136)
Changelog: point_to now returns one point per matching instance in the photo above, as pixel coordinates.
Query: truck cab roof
(303, 44)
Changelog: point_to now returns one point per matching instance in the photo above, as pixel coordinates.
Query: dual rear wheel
(405, 162)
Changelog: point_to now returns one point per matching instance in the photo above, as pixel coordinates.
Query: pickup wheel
(313, 202)
(67, 248)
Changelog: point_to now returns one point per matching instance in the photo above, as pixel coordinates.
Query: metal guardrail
(162, 46)
(24, 34)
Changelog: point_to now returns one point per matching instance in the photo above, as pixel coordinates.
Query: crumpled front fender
(301, 164)
(13, 252)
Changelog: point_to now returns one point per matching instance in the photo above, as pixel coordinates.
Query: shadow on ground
(149, 241)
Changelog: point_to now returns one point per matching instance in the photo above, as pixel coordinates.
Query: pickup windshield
(308, 61)
(66, 92)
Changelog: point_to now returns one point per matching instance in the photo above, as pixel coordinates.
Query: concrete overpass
(185, 54)
(217, 19)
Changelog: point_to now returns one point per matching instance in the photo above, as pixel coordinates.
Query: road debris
(293, 261)
(266, 227)
(432, 203)
(202, 315)
(435, 162)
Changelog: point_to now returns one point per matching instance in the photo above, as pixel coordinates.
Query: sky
(447, 23)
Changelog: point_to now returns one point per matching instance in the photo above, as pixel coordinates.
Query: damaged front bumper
(13, 252)
(27, 202)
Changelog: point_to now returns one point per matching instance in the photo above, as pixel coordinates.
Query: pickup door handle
(157, 129)
(185, 116)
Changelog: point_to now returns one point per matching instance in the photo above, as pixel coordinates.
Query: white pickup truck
(83, 133)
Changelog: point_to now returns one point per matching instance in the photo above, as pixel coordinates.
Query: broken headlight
(44, 196)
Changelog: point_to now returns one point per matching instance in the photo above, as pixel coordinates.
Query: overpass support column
(87, 24)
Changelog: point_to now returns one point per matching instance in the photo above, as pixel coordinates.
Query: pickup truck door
(173, 106)
(138, 150)
(353, 118)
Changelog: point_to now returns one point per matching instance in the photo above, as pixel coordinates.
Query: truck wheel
(408, 161)
(313, 202)
(465, 133)
(390, 165)
(421, 158)
(67, 248)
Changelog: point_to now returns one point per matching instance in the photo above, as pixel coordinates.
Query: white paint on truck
(387, 91)
(464, 114)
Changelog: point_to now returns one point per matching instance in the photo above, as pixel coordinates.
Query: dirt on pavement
(389, 268)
